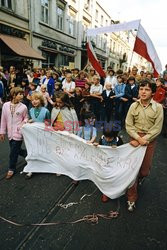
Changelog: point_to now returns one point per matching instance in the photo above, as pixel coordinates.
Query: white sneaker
(28, 175)
(131, 206)
(58, 174)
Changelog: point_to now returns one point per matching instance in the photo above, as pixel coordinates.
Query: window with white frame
(111, 45)
(45, 11)
(102, 20)
(72, 26)
(114, 46)
(105, 42)
(60, 18)
(87, 5)
(6, 3)
(97, 15)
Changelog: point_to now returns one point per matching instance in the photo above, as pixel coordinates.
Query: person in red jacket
(160, 93)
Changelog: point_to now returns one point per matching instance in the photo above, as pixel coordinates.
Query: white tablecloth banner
(113, 170)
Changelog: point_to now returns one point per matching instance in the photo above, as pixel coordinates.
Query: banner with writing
(112, 170)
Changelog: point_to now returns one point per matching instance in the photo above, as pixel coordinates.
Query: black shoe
(75, 182)
(141, 181)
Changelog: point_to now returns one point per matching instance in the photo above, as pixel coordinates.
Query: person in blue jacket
(50, 83)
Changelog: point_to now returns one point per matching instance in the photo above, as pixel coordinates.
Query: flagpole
(133, 47)
(131, 58)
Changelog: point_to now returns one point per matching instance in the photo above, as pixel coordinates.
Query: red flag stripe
(141, 48)
(95, 64)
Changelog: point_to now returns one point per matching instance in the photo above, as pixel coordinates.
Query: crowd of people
(65, 98)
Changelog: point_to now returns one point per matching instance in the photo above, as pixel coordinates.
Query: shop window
(64, 60)
(45, 11)
(50, 60)
(6, 3)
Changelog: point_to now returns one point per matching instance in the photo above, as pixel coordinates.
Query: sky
(153, 18)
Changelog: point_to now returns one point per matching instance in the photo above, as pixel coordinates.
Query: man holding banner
(143, 123)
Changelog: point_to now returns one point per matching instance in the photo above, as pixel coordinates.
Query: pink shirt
(12, 123)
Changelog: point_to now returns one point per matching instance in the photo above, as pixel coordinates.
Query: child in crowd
(96, 98)
(38, 113)
(86, 90)
(109, 138)
(131, 93)
(88, 131)
(14, 115)
(1, 90)
(49, 82)
(11, 86)
(33, 89)
(161, 97)
(143, 123)
(160, 93)
(107, 96)
(58, 88)
(46, 96)
(119, 103)
(86, 95)
(26, 89)
(78, 101)
(63, 115)
(81, 79)
(111, 79)
(68, 85)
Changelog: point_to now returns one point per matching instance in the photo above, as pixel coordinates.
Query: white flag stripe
(142, 34)
(114, 28)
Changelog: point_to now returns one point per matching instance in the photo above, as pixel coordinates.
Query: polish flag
(93, 60)
(145, 48)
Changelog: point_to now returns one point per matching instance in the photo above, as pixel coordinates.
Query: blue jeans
(15, 151)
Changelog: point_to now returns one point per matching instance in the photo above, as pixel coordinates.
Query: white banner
(114, 28)
(113, 170)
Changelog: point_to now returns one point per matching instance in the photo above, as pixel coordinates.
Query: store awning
(20, 47)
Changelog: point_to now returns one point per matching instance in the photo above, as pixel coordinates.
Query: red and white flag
(143, 44)
(144, 47)
(93, 60)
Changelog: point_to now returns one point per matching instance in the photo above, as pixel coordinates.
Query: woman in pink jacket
(14, 115)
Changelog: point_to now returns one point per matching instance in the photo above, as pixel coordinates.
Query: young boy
(143, 123)
(109, 138)
(108, 103)
(96, 98)
(160, 93)
(14, 115)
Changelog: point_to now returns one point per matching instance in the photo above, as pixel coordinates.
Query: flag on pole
(145, 48)
(143, 44)
(93, 60)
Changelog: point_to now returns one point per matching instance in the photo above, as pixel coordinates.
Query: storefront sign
(4, 29)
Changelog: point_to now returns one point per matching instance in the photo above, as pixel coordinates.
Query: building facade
(56, 30)
(15, 34)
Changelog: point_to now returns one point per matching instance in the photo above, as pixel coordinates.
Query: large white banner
(114, 28)
(113, 170)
